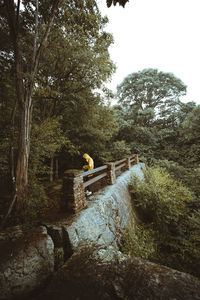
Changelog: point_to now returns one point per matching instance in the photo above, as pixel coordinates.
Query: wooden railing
(96, 178)
(111, 170)
(75, 181)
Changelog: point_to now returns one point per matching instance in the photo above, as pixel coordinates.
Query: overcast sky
(161, 34)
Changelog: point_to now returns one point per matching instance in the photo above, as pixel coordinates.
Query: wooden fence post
(73, 191)
(111, 178)
(128, 163)
(136, 159)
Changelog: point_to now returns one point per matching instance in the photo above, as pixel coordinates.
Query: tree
(25, 80)
(169, 130)
(76, 62)
(150, 89)
(189, 138)
(114, 2)
(89, 125)
(150, 103)
(29, 32)
(7, 117)
(136, 129)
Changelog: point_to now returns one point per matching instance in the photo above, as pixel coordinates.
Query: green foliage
(190, 137)
(91, 124)
(72, 113)
(161, 204)
(114, 151)
(140, 242)
(35, 201)
(38, 205)
(160, 198)
(76, 64)
(8, 134)
(173, 168)
(189, 176)
(192, 180)
(149, 89)
(139, 136)
(68, 115)
(150, 112)
(155, 124)
(36, 198)
(47, 139)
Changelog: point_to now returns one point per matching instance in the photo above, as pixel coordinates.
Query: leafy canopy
(150, 88)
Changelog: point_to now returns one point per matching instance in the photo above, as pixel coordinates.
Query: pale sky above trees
(162, 34)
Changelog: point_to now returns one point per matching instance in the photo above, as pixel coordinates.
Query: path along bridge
(75, 181)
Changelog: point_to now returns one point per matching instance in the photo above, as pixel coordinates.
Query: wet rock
(107, 274)
(25, 262)
(62, 243)
(56, 233)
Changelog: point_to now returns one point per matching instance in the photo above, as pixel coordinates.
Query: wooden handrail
(94, 170)
(120, 166)
(133, 155)
(93, 180)
(119, 161)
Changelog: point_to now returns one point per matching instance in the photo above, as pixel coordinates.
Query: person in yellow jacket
(88, 167)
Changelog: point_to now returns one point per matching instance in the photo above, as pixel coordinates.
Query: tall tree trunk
(24, 93)
(51, 169)
(23, 151)
(56, 172)
(11, 156)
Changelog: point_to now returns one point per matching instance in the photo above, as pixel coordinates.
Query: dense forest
(54, 104)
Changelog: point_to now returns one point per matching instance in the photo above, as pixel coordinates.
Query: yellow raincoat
(90, 165)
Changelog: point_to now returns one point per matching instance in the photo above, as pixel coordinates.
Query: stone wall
(108, 214)
(74, 198)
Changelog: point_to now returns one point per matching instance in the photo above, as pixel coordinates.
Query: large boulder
(97, 274)
(26, 261)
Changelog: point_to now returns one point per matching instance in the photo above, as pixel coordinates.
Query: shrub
(168, 233)
(36, 197)
(189, 176)
(160, 199)
(140, 241)
(192, 180)
(35, 201)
